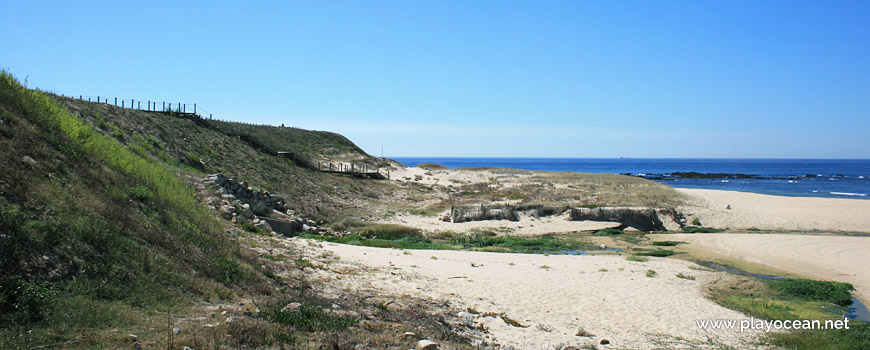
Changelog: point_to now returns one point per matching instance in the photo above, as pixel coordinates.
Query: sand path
(825, 257)
(555, 296)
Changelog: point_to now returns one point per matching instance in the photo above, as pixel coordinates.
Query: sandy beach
(557, 297)
(822, 257)
(765, 212)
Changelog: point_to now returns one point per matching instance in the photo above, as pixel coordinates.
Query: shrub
(701, 229)
(658, 253)
(696, 222)
(431, 166)
(831, 292)
(667, 243)
(685, 277)
(608, 232)
(651, 273)
(637, 258)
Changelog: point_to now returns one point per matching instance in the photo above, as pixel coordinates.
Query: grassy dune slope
(93, 234)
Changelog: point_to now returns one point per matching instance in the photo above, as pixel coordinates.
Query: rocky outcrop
(483, 212)
(261, 202)
(239, 203)
(643, 219)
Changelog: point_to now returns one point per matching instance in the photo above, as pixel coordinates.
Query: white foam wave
(849, 194)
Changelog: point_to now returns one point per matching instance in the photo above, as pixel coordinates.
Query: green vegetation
(667, 243)
(481, 242)
(685, 277)
(95, 235)
(306, 142)
(520, 245)
(431, 166)
(657, 253)
(696, 221)
(636, 258)
(307, 318)
(792, 300)
(609, 232)
(701, 229)
(810, 290)
(651, 273)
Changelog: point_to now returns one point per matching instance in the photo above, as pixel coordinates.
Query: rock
(426, 344)
(604, 342)
(306, 228)
(137, 345)
(264, 226)
(728, 207)
(466, 317)
(28, 160)
(643, 219)
(410, 334)
(570, 347)
(176, 330)
(291, 307)
(603, 246)
(445, 218)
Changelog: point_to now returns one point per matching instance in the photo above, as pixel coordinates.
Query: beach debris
(604, 342)
(728, 207)
(603, 246)
(136, 344)
(583, 333)
(425, 344)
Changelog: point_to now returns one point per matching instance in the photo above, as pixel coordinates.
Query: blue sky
(756, 79)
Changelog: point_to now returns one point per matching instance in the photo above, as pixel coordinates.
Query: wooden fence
(360, 170)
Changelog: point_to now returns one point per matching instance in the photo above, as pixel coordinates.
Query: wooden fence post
(194, 108)
(116, 101)
(122, 103)
(98, 99)
(164, 106)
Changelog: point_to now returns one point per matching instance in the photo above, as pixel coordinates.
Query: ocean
(832, 178)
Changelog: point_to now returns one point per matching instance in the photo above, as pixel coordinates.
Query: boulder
(643, 219)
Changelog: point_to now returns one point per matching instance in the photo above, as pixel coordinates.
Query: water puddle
(582, 252)
(856, 311)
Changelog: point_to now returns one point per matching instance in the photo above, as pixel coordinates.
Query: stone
(410, 334)
(291, 307)
(604, 342)
(570, 347)
(466, 317)
(264, 226)
(445, 218)
(425, 344)
(28, 160)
